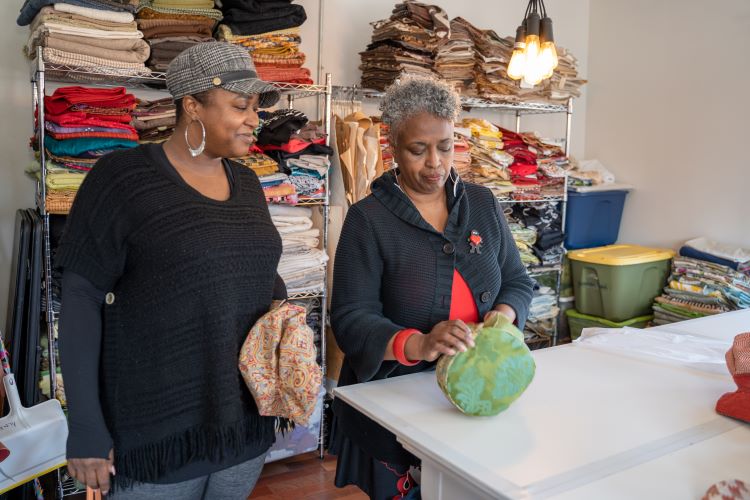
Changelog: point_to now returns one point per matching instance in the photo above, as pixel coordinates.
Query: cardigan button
(448, 249)
(485, 297)
(109, 298)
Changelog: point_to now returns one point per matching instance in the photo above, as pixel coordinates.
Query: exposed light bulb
(517, 64)
(548, 55)
(534, 55)
(533, 69)
(548, 58)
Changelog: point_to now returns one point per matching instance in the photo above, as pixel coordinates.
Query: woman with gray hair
(169, 257)
(419, 258)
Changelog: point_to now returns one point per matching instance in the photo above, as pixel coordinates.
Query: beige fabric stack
(92, 38)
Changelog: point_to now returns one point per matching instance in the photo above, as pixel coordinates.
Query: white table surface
(722, 327)
(588, 415)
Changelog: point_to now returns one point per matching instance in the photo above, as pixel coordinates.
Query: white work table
(593, 424)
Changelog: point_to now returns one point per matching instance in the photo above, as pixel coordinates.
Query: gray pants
(234, 483)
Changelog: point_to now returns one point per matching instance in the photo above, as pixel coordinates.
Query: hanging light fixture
(534, 54)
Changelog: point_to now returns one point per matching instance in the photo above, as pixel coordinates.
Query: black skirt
(379, 480)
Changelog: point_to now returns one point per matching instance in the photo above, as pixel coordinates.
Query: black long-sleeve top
(394, 271)
(82, 329)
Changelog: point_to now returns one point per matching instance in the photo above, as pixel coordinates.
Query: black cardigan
(393, 271)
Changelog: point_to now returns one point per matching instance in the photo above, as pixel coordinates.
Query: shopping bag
(35, 436)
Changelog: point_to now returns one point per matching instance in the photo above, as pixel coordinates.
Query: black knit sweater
(188, 277)
(394, 271)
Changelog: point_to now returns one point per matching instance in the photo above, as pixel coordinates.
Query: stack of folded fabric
(454, 61)
(278, 189)
(737, 258)
(462, 157)
(301, 153)
(523, 170)
(543, 311)
(308, 175)
(700, 288)
(491, 62)
(404, 44)
(171, 26)
(552, 165)
(269, 30)
(489, 163)
(276, 55)
(154, 120)
(259, 163)
(524, 238)
(30, 9)
(385, 146)
(540, 324)
(254, 17)
(564, 83)
(83, 124)
(302, 264)
(546, 220)
(99, 39)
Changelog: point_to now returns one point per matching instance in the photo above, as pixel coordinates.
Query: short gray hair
(415, 95)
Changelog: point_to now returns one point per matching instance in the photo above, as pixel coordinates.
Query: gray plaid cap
(208, 65)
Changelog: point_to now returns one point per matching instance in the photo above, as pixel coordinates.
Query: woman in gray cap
(169, 256)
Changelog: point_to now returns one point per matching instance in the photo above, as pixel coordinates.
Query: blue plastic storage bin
(593, 218)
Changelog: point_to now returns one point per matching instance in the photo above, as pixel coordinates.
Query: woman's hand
(503, 309)
(447, 337)
(93, 472)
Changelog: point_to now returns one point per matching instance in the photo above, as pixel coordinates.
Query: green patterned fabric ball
(487, 378)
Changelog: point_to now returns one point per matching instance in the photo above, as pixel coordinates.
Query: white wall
(346, 32)
(668, 109)
(16, 190)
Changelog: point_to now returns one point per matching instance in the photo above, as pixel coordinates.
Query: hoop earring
(202, 145)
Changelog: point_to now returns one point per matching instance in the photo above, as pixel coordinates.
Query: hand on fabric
(503, 309)
(447, 337)
(93, 472)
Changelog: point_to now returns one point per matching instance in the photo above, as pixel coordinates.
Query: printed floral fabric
(278, 364)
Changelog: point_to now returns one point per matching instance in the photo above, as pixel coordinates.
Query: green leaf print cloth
(487, 378)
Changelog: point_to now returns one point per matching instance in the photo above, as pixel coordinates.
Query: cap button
(216, 81)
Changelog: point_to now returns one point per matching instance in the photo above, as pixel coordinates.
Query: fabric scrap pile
(454, 60)
(404, 44)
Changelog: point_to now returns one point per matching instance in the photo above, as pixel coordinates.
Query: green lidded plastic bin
(578, 321)
(618, 282)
